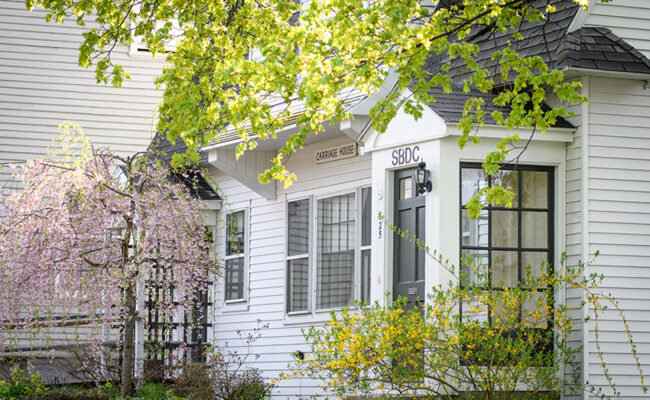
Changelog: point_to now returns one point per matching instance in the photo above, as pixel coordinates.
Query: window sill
(237, 305)
(309, 318)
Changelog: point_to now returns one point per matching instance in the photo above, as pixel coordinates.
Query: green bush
(154, 391)
(21, 385)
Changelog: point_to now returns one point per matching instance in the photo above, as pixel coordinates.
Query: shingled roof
(598, 48)
(540, 38)
(589, 48)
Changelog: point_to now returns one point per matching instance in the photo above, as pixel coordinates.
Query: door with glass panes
(408, 259)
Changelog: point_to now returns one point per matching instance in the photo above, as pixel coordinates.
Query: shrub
(238, 384)
(154, 391)
(225, 375)
(468, 340)
(195, 382)
(20, 385)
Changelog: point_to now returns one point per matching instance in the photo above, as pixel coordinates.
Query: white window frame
(138, 49)
(308, 255)
(244, 255)
(311, 310)
(361, 248)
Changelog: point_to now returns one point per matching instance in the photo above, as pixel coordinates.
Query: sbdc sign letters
(406, 155)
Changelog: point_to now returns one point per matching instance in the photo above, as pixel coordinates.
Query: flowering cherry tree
(86, 231)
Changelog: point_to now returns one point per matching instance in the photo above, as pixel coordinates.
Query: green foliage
(20, 384)
(109, 390)
(75, 392)
(154, 391)
(307, 68)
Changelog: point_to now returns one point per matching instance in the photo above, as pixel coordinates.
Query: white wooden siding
(619, 220)
(628, 19)
(574, 227)
(266, 264)
(42, 86)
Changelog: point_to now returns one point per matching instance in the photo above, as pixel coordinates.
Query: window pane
(235, 233)
(475, 265)
(473, 179)
(235, 278)
(537, 262)
(505, 268)
(336, 245)
(366, 210)
(475, 231)
(298, 227)
(365, 276)
(298, 277)
(505, 230)
(536, 233)
(405, 188)
(508, 178)
(534, 190)
(534, 310)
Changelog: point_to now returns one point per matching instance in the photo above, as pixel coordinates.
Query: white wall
(41, 86)
(266, 269)
(619, 222)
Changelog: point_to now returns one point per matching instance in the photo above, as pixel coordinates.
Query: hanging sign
(336, 153)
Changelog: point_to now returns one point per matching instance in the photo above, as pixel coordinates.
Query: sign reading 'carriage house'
(335, 153)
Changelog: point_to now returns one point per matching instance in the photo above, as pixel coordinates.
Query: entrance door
(408, 260)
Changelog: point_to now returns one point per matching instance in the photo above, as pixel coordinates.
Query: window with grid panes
(503, 244)
(235, 255)
(366, 225)
(298, 247)
(336, 248)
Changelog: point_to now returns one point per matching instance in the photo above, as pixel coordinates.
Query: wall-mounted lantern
(422, 178)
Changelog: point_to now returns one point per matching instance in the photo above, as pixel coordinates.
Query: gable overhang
(247, 167)
(497, 132)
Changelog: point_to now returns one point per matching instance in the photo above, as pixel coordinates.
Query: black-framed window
(504, 245)
(235, 259)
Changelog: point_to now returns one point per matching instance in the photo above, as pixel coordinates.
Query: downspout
(584, 116)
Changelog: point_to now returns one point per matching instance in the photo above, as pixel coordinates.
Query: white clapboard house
(582, 187)
(587, 182)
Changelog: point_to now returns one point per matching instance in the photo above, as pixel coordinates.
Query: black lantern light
(422, 178)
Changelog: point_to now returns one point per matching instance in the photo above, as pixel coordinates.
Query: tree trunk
(128, 355)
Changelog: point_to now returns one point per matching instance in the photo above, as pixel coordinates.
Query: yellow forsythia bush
(467, 340)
